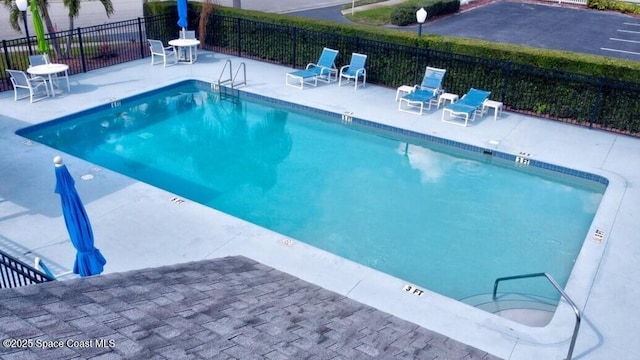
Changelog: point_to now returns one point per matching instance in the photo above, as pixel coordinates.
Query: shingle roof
(228, 308)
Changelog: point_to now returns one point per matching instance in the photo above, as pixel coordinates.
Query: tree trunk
(67, 53)
(44, 11)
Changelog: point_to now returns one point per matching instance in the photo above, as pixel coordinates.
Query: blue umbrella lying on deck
(89, 260)
(182, 14)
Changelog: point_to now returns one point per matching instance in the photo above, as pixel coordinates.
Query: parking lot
(548, 26)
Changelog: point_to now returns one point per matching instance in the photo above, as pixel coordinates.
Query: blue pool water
(436, 216)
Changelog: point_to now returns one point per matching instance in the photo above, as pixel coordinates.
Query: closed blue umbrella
(182, 14)
(89, 260)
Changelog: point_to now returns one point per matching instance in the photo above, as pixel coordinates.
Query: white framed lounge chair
(34, 85)
(158, 49)
(466, 108)
(427, 93)
(41, 266)
(324, 70)
(355, 70)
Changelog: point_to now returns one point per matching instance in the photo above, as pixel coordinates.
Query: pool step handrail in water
(530, 310)
(562, 293)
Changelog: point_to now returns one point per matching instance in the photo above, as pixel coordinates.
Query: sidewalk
(371, 6)
(283, 6)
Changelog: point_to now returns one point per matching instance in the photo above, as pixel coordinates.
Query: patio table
(191, 44)
(48, 70)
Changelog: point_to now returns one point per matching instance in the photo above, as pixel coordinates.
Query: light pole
(421, 16)
(22, 6)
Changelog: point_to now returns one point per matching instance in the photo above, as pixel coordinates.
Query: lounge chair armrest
(325, 70)
(311, 65)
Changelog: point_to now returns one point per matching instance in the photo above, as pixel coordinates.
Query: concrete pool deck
(137, 226)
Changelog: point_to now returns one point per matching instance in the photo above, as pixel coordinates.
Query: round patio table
(192, 44)
(48, 70)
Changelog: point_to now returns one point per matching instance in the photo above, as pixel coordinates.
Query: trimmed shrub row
(570, 87)
(405, 14)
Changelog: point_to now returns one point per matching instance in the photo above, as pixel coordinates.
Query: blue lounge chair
(324, 70)
(355, 70)
(41, 266)
(426, 93)
(466, 108)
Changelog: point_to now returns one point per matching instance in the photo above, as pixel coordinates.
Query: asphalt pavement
(543, 26)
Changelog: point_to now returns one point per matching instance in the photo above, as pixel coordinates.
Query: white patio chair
(41, 59)
(189, 53)
(34, 85)
(158, 49)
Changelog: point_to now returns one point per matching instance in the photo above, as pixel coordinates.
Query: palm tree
(74, 11)
(43, 6)
(14, 14)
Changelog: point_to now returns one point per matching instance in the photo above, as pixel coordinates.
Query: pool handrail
(564, 295)
(232, 78)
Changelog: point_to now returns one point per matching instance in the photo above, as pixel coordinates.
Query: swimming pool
(426, 212)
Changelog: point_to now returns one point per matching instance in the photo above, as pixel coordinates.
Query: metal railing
(222, 81)
(15, 273)
(231, 79)
(242, 67)
(581, 99)
(564, 295)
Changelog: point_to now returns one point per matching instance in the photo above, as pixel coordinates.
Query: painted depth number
(413, 290)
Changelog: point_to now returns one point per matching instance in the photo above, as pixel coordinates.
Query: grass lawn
(377, 16)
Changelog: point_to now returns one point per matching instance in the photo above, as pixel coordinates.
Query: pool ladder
(559, 289)
(232, 78)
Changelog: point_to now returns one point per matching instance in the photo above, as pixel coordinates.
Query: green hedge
(552, 59)
(405, 14)
(566, 86)
(621, 6)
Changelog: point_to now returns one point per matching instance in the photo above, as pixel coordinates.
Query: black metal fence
(569, 97)
(587, 100)
(15, 273)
